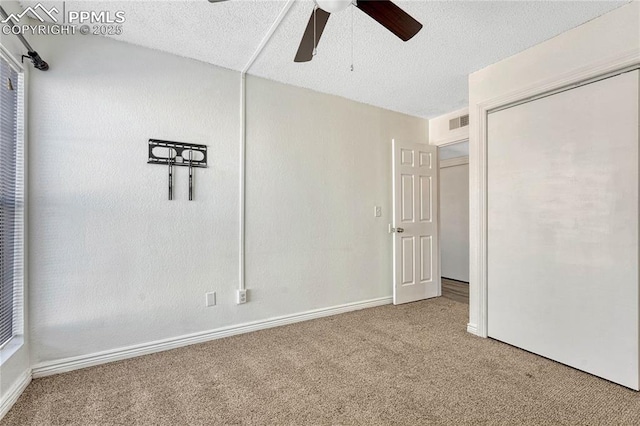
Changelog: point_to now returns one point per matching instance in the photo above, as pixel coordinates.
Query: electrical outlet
(210, 299)
(377, 211)
(241, 297)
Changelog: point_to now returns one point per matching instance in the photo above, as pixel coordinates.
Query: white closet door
(563, 227)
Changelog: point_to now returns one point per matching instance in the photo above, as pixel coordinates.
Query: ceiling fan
(385, 12)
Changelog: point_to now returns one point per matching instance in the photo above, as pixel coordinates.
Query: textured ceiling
(425, 77)
(224, 34)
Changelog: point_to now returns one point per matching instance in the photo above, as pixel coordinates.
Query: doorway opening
(454, 220)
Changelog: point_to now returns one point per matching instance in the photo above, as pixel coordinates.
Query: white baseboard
(472, 328)
(69, 364)
(12, 395)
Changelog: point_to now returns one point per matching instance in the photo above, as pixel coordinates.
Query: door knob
(392, 229)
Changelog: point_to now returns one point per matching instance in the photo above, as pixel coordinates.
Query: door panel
(563, 227)
(408, 255)
(426, 259)
(425, 198)
(407, 198)
(415, 250)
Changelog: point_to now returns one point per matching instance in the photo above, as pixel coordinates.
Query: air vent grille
(456, 123)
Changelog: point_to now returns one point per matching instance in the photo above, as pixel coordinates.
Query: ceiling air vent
(456, 123)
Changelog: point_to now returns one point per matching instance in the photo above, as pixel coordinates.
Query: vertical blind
(11, 201)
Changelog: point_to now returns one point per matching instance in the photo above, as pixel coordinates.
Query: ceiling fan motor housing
(333, 6)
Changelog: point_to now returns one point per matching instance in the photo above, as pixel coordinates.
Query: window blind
(11, 201)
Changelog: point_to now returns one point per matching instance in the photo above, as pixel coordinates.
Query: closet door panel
(563, 227)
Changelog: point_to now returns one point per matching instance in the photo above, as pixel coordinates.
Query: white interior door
(563, 227)
(416, 265)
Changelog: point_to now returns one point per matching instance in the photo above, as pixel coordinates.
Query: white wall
(439, 133)
(612, 37)
(116, 264)
(113, 262)
(454, 195)
(15, 365)
(454, 222)
(317, 166)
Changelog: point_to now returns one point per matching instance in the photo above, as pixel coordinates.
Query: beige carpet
(410, 364)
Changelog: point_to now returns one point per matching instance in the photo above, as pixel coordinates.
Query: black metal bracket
(36, 60)
(178, 153)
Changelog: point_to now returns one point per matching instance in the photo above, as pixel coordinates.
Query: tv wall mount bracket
(170, 154)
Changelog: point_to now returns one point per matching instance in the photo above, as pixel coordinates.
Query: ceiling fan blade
(305, 51)
(216, 1)
(391, 17)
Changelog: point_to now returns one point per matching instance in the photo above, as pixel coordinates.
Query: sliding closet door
(563, 227)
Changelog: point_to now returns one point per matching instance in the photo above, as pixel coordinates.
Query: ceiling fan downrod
(315, 39)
